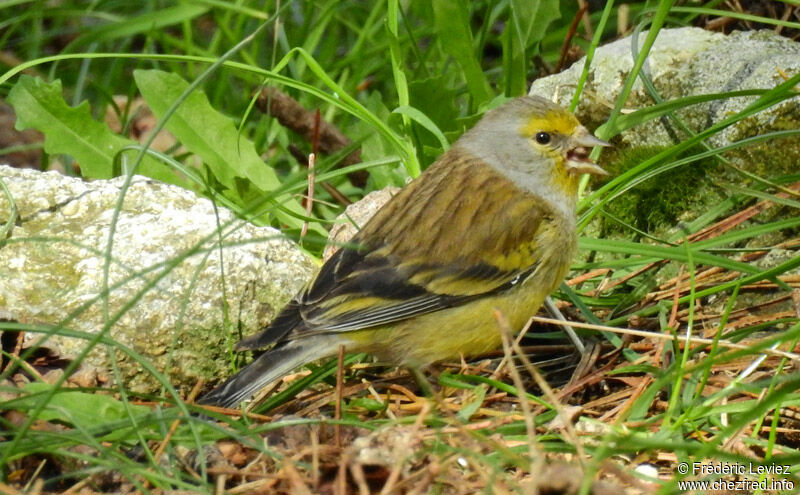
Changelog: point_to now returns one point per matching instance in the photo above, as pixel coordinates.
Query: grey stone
(354, 217)
(183, 318)
(691, 61)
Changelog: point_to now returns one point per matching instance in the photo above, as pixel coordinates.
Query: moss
(659, 202)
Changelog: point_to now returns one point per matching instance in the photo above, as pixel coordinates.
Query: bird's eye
(542, 137)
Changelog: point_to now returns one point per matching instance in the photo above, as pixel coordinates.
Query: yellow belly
(468, 330)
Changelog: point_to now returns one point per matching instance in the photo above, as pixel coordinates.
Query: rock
(171, 297)
(691, 61)
(685, 62)
(355, 216)
(388, 447)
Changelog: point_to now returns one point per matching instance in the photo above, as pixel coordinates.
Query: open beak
(578, 160)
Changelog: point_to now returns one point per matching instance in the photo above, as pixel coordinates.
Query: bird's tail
(267, 368)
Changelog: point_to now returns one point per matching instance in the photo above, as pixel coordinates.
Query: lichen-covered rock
(686, 62)
(691, 61)
(173, 295)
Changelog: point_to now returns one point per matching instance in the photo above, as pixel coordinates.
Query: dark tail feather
(267, 368)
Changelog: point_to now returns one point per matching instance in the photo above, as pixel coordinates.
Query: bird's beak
(578, 160)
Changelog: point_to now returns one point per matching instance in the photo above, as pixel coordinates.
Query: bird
(489, 226)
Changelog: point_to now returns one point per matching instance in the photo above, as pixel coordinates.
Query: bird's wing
(423, 252)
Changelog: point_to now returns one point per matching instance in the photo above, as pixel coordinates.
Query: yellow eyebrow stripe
(560, 122)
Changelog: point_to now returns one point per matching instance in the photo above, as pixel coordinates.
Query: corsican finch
(490, 225)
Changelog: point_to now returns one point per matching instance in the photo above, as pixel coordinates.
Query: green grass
(402, 80)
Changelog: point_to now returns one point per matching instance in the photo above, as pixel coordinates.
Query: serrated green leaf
(452, 24)
(532, 18)
(213, 136)
(529, 22)
(78, 408)
(72, 130)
